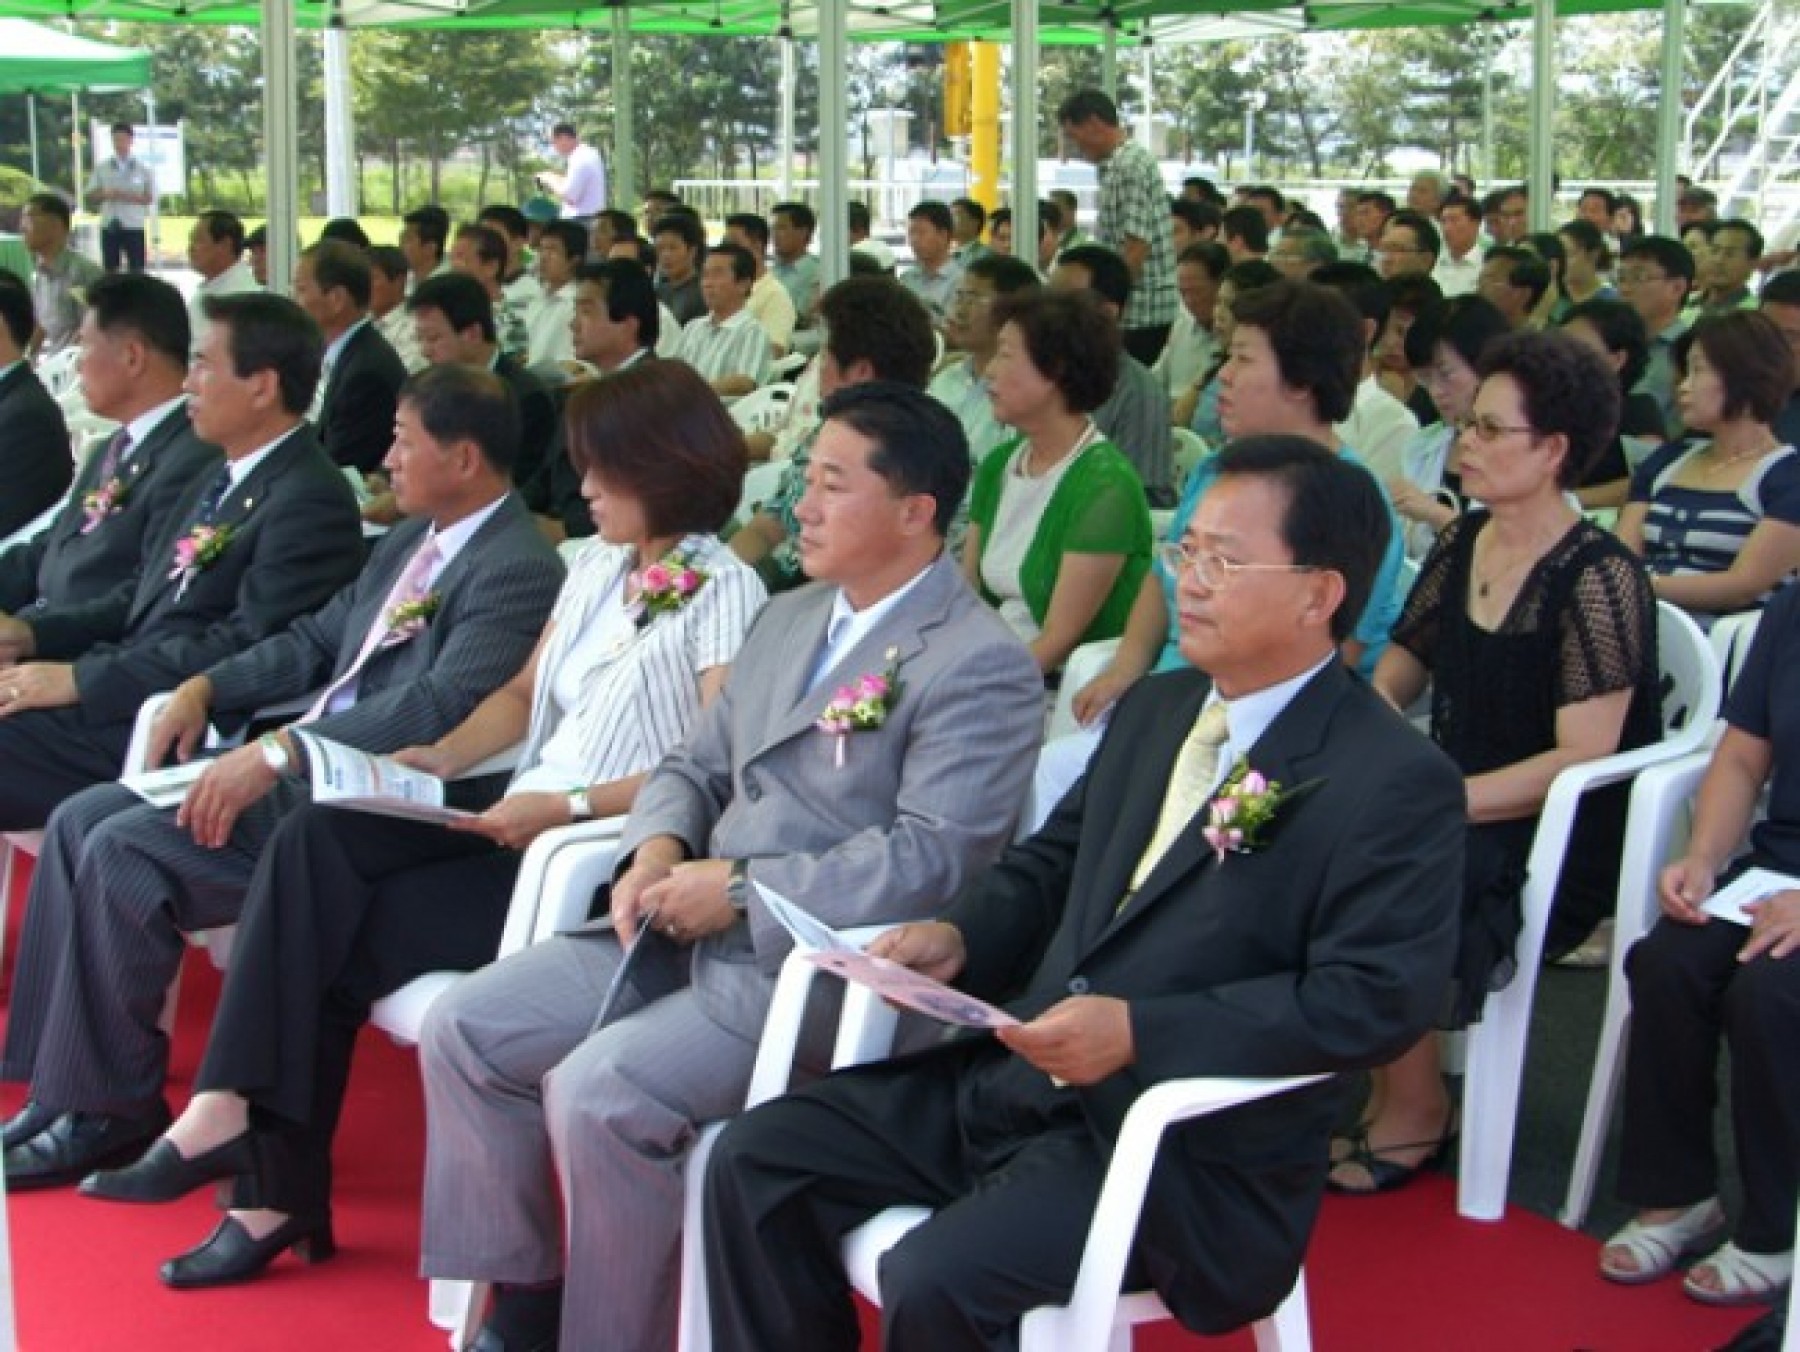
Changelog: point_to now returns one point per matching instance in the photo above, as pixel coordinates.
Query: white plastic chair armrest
(545, 866)
(1128, 1176)
(501, 762)
(865, 1025)
(137, 751)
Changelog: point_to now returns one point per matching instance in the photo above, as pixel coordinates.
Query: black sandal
(1386, 1175)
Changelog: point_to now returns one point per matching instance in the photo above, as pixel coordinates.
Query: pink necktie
(409, 587)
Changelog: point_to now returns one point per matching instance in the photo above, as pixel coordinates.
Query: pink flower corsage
(664, 587)
(861, 707)
(408, 619)
(101, 503)
(197, 551)
(1244, 810)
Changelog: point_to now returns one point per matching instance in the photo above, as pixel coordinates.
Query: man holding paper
(448, 607)
(1257, 876)
(869, 751)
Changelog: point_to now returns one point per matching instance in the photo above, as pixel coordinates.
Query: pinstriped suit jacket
(493, 600)
(917, 806)
(74, 589)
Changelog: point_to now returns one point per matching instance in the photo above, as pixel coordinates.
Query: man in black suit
(119, 880)
(1135, 952)
(35, 464)
(58, 587)
(354, 407)
(267, 538)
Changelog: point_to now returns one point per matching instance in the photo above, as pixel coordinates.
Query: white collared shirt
(1248, 717)
(452, 539)
(848, 626)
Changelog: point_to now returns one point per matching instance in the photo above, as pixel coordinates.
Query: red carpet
(1394, 1274)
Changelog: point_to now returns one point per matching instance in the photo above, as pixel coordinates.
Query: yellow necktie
(1191, 783)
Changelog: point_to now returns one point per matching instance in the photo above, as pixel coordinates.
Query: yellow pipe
(984, 130)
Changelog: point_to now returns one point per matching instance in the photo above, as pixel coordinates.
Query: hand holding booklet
(821, 944)
(341, 777)
(1748, 888)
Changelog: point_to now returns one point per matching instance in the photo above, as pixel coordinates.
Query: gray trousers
(117, 886)
(529, 1108)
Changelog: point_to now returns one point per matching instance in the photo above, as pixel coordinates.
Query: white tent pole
(624, 166)
(1109, 60)
(784, 176)
(1025, 126)
(153, 256)
(279, 140)
(37, 170)
(340, 125)
(75, 151)
(1489, 46)
(1543, 111)
(834, 145)
(1668, 113)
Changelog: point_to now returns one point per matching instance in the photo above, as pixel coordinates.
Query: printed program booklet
(892, 982)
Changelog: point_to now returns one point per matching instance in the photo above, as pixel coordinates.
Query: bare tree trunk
(486, 164)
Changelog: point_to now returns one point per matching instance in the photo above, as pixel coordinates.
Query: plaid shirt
(1134, 203)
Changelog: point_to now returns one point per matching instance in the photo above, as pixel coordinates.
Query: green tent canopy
(39, 60)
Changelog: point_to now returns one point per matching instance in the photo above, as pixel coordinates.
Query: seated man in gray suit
(35, 465)
(1138, 945)
(266, 538)
(446, 611)
(527, 1102)
(58, 589)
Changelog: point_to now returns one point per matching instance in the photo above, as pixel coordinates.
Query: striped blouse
(1696, 530)
(612, 698)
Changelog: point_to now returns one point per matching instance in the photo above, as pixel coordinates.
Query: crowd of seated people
(970, 459)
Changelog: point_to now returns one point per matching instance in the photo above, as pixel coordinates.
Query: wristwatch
(275, 753)
(580, 810)
(737, 887)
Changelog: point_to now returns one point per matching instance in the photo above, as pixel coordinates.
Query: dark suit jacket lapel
(901, 629)
(373, 587)
(1280, 754)
(340, 369)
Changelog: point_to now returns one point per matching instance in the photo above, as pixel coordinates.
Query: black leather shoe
(76, 1144)
(28, 1122)
(231, 1255)
(164, 1173)
(523, 1319)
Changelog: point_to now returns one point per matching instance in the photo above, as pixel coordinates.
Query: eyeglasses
(1213, 570)
(1489, 429)
(969, 300)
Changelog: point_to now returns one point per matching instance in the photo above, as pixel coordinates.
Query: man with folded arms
(447, 609)
(56, 590)
(262, 540)
(1134, 950)
(533, 1114)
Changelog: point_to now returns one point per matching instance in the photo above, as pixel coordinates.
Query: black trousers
(49, 755)
(1146, 344)
(345, 907)
(1687, 991)
(119, 244)
(1006, 1158)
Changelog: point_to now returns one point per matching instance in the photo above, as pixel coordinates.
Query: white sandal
(1744, 1278)
(1658, 1249)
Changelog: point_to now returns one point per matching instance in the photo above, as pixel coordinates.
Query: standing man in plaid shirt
(1134, 217)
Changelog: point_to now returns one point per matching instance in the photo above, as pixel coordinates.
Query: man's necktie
(114, 457)
(824, 661)
(1190, 785)
(208, 506)
(410, 586)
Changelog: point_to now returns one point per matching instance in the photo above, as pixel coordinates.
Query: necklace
(1721, 463)
(1485, 583)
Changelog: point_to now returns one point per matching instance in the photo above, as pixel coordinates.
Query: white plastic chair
(788, 367)
(1098, 1315)
(552, 893)
(1730, 636)
(1496, 1045)
(1085, 663)
(60, 371)
(865, 1033)
(1656, 830)
(763, 410)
